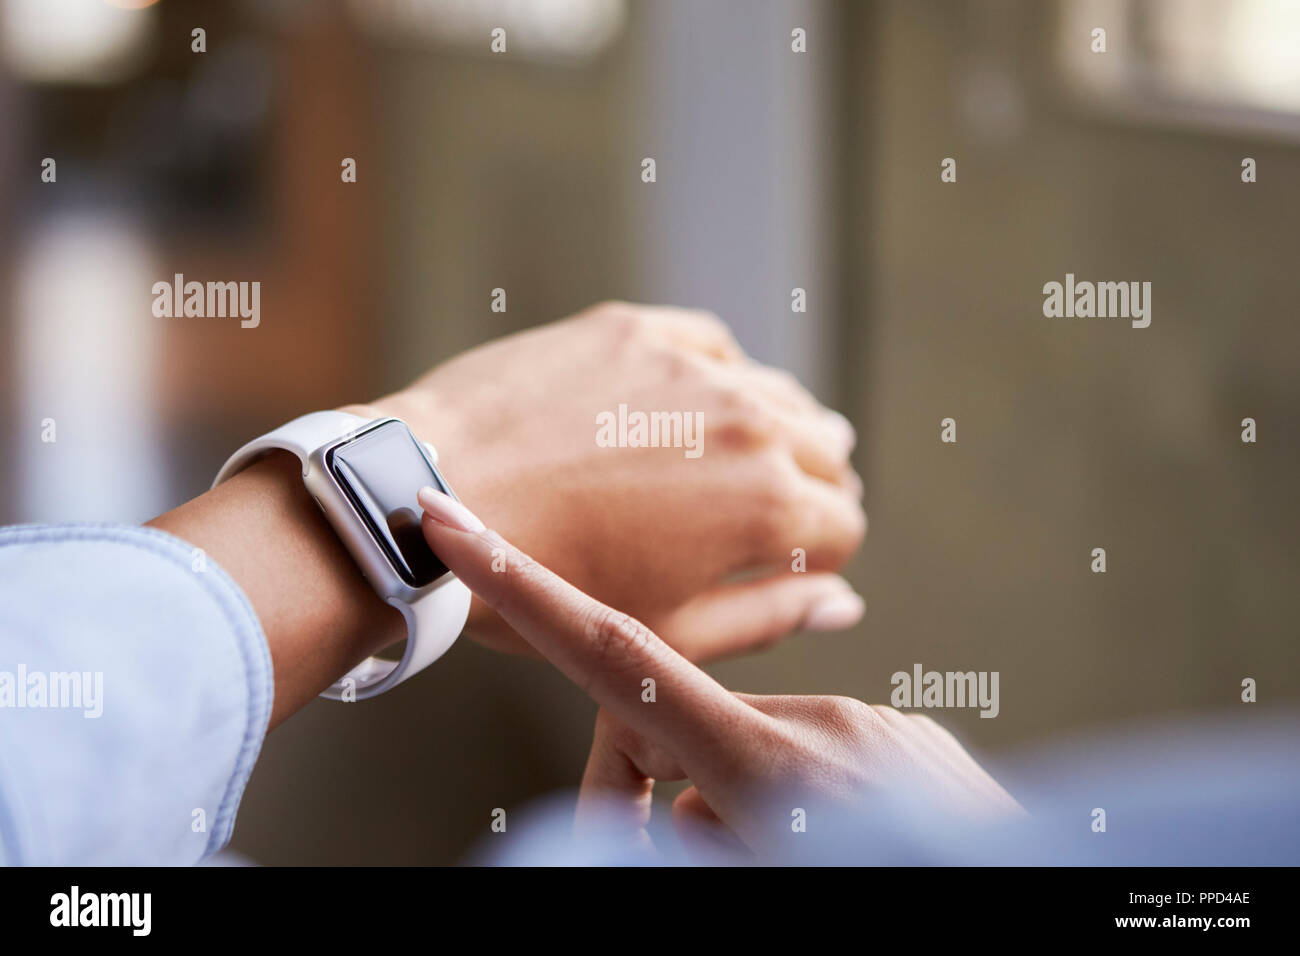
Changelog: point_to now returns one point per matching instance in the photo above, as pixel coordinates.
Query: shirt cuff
(174, 690)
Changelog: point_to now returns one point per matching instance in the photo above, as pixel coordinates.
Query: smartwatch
(364, 475)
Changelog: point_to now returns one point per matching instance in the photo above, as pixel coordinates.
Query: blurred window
(1227, 64)
(538, 29)
(75, 41)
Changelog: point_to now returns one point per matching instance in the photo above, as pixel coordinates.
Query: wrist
(319, 615)
(426, 416)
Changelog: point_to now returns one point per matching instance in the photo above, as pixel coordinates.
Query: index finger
(607, 653)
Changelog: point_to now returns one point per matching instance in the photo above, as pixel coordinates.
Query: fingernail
(447, 510)
(835, 613)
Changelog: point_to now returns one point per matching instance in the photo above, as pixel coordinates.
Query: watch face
(380, 471)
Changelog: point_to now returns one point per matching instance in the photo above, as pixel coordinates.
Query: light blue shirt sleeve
(135, 690)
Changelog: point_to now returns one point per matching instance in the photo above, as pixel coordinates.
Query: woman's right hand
(749, 759)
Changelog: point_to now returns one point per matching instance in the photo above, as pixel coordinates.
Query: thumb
(617, 791)
(746, 615)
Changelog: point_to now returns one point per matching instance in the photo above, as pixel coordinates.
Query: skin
(741, 753)
(662, 536)
(700, 548)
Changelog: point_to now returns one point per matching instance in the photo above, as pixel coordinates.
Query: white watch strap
(432, 623)
(302, 436)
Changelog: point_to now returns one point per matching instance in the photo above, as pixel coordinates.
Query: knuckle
(677, 365)
(609, 309)
(776, 508)
(621, 319)
(843, 538)
(782, 498)
(847, 706)
(844, 718)
(739, 403)
(733, 434)
(615, 639)
(889, 717)
(744, 420)
(847, 711)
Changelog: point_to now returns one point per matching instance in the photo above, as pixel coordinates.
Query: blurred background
(818, 170)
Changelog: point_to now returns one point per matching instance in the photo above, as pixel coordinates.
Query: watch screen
(380, 472)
